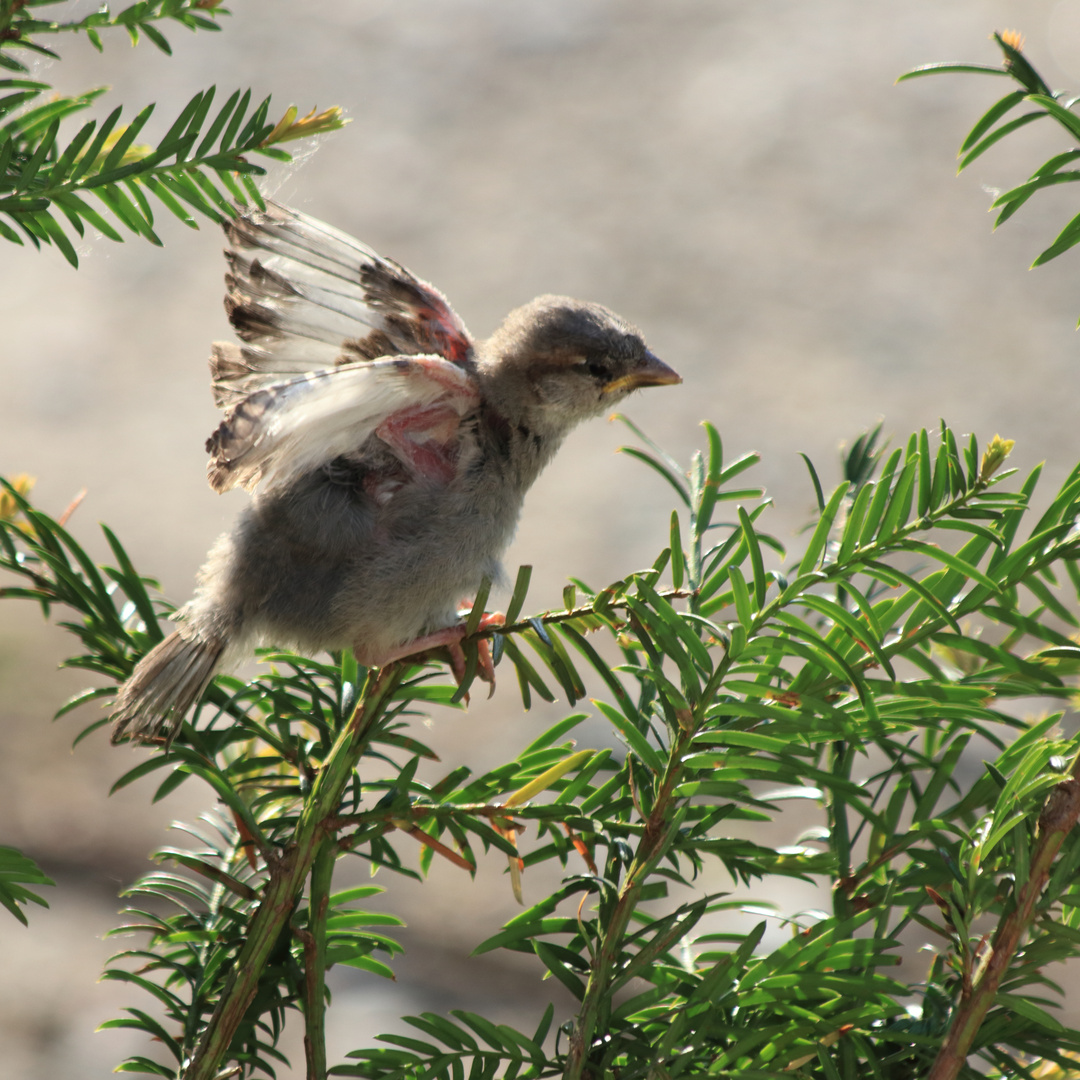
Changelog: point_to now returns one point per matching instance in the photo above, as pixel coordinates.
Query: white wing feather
(293, 426)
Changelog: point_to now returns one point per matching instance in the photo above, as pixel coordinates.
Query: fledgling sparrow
(388, 454)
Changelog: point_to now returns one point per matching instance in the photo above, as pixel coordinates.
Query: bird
(388, 454)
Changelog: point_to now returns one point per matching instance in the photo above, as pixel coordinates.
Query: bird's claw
(485, 667)
(450, 639)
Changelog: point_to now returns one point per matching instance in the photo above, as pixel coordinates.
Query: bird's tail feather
(166, 682)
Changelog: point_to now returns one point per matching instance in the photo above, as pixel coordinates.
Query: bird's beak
(652, 371)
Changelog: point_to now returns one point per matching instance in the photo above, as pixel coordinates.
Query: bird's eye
(596, 367)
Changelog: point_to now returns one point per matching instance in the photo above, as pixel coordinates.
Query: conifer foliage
(901, 679)
(927, 612)
(101, 176)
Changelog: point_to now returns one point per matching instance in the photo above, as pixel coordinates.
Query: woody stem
(654, 843)
(288, 873)
(1057, 819)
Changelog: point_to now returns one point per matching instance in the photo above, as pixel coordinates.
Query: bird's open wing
(277, 433)
(303, 296)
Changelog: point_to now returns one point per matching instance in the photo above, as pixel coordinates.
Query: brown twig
(1058, 817)
(579, 612)
(287, 874)
(72, 506)
(655, 841)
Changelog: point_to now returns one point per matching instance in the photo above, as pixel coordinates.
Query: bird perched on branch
(389, 454)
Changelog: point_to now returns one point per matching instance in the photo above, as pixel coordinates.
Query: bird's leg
(448, 638)
(445, 638)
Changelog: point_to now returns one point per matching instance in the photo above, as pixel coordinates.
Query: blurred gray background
(741, 179)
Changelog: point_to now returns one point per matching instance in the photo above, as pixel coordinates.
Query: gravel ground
(742, 180)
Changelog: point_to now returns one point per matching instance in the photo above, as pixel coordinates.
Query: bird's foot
(449, 638)
(485, 668)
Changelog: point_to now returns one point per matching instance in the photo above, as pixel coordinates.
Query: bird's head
(556, 361)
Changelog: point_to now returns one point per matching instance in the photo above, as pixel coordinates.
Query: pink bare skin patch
(426, 438)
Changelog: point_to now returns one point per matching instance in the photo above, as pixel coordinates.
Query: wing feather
(303, 295)
(239, 370)
(287, 428)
